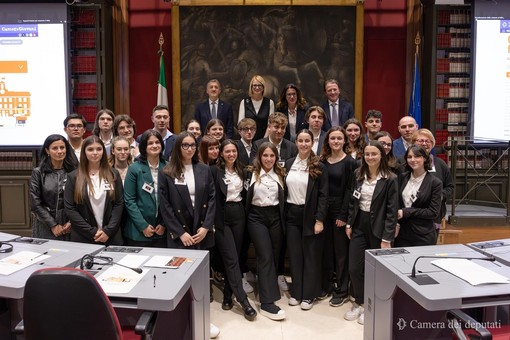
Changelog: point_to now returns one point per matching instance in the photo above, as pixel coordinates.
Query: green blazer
(140, 204)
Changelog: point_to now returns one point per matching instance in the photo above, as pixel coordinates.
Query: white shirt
(234, 186)
(367, 192)
(189, 177)
(292, 124)
(297, 182)
(247, 147)
(98, 198)
(410, 192)
(406, 144)
(315, 146)
(154, 174)
(278, 147)
(256, 105)
(265, 191)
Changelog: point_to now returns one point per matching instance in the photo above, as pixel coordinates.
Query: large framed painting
(286, 42)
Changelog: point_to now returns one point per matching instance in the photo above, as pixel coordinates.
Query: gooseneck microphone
(88, 261)
(413, 272)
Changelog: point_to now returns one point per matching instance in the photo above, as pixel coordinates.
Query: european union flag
(415, 100)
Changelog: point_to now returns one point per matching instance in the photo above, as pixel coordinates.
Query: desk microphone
(87, 262)
(413, 272)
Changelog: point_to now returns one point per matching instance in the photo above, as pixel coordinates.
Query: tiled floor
(320, 323)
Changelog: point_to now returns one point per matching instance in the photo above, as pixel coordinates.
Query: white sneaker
(282, 283)
(354, 313)
(293, 302)
(306, 304)
(250, 277)
(247, 287)
(214, 331)
(361, 319)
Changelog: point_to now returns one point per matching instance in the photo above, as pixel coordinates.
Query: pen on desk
(154, 280)
(33, 258)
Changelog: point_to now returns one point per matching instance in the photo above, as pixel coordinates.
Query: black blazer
(249, 198)
(383, 208)
(345, 112)
(322, 136)
(300, 120)
(423, 212)
(243, 156)
(81, 215)
(221, 195)
(287, 149)
(223, 112)
(443, 173)
(177, 211)
(316, 201)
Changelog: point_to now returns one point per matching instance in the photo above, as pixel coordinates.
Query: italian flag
(162, 93)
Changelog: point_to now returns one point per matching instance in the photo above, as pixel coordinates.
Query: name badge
(148, 188)
(433, 169)
(180, 181)
(282, 163)
(227, 181)
(414, 198)
(246, 184)
(107, 186)
(356, 194)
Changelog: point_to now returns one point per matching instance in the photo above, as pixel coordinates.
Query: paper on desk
(18, 261)
(121, 280)
(159, 261)
(470, 271)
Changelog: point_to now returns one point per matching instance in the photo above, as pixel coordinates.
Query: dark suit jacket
(322, 136)
(223, 111)
(345, 111)
(221, 196)
(287, 149)
(243, 156)
(398, 148)
(177, 211)
(300, 121)
(443, 173)
(423, 212)
(383, 208)
(83, 223)
(316, 201)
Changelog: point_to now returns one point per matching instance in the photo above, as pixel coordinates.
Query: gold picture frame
(178, 83)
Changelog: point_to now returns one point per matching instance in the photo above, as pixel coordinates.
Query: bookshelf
(452, 74)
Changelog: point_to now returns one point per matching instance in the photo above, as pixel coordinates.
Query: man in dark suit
(315, 118)
(214, 107)
(277, 123)
(247, 128)
(161, 119)
(406, 127)
(337, 110)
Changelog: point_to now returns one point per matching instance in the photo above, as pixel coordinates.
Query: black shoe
(272, 311)
(322, 295)
(227, 303)
(337, 300)
(249, 313)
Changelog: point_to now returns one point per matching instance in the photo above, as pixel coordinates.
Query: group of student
(303, 181)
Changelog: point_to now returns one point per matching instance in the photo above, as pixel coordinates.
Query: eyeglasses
(257, 85)
(424, 141)
(385, 145)
(74, 126)
(248, 129)
(186, 146)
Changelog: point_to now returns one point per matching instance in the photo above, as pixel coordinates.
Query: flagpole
(162, 91)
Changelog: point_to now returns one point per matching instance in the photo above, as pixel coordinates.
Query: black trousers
(362, 239)
(266, 233)
(305, 254)
(229, 240)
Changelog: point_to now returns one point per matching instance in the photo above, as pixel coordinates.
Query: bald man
(406, 127)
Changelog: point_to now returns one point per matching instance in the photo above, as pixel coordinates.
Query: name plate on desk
(129, 250)
(490, 244)
(30, 240)
(391, 251)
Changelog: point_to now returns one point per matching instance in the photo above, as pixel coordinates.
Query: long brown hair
(359, 145)
(384, 168)
(238, 168)
(175, 167)
(312, 162)
(83, 179)
(257, 163)
(326, 148)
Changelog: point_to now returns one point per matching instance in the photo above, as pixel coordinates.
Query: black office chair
(68, 303)
(464, 327)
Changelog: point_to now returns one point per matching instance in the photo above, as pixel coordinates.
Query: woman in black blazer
(306, 208)
(187, 197)
(230, 222)
(294, 106)
(372, 218)
(265, 210)
(419, 200)
(94, 198)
